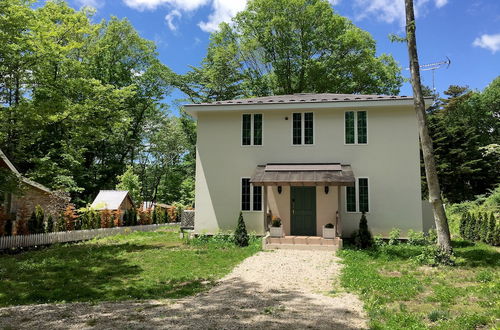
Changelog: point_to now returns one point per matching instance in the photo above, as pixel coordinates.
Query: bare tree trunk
(443, 231)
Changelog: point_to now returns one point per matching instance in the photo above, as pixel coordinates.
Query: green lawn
(133, 266)
(399, 293)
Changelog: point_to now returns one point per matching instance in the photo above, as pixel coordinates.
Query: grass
(398, 293)
(138, 265)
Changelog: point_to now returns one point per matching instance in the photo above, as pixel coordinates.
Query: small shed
(113, 200)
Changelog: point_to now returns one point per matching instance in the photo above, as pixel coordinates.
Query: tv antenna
(433, 67)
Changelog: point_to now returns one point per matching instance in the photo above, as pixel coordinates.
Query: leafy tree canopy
(286, 47)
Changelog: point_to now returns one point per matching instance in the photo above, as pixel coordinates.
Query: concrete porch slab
(302, 243)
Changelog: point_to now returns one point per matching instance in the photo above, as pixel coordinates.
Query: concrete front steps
(302, 243)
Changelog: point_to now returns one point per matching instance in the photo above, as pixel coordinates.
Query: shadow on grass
(479, 256)
(234, 304)
(461, 244)
(85, 272)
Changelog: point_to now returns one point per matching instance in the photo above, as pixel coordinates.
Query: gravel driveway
(282, 289)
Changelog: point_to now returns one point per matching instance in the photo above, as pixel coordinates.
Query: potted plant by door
(329, 230)
(276, 229)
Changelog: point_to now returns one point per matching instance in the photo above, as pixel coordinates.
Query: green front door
(303, 203)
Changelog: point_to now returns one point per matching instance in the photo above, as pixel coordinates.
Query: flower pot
(276, 231)
(328, 232)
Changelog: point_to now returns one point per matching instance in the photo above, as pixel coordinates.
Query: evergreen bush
(363, 237)
(60, 224)
(154, 217)
(490, 237)
(463, 224)
(40, 219)
(49, 227)
(32, 223)
(240, 234)
(485, 221)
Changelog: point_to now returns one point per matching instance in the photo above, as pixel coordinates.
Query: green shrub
(433, 255)
(432, 236)
(490, 236)
(60, 224)
(49, 227)
(485, 221)
(32, 223)
(362, 238)
(394, 235)
(378, 240)
(437, 315)
(240, 234)
(463, 224)
(416, 238)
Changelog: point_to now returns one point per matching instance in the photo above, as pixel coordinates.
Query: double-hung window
(251, 129)
(357, 197)
(356, 127)
(251, 196)
(302, 128)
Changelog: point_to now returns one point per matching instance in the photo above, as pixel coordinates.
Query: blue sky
(468, 32)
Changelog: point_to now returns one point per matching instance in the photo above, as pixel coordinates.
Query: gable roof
(110, 199)
(27, 181)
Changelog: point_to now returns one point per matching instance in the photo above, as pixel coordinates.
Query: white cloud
(91, 3)
(223, 11)
(488, 41)
(170, 19)
(390, 11)
(184, 5)
(441, 3)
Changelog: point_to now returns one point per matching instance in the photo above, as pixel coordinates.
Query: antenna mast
(433, 66)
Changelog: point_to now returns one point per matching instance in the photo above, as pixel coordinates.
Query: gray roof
(307, 98)
(303, 174)
(109, 199)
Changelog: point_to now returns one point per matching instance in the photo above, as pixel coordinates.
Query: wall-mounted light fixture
(327, 189)
(280, 189)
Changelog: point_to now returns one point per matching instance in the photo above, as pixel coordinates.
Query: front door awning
(304, 174)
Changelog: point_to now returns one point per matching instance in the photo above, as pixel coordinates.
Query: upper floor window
(357, 197)
(302, 128)
(356, 127)
(251, 129)
(251, 196)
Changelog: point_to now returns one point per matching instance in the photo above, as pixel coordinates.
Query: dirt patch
(284, 289)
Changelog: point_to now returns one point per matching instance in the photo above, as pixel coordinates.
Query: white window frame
(356, 186)
(251, 196)
(356, 129)
(302, 129)
(252, 115)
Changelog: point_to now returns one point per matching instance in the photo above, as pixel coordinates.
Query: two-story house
(309, 159)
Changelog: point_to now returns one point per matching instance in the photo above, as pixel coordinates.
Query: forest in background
(82, 103)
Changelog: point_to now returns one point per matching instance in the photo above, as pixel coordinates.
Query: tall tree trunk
(443, 231)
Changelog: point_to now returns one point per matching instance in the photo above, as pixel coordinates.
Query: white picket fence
(7, 242)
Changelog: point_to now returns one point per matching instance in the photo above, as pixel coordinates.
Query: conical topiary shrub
(363, 238)
(241, 235)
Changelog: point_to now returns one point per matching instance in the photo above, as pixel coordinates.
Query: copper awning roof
(304, 174)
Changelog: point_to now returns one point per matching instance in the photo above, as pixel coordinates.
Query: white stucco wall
(390, 160)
